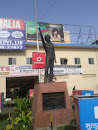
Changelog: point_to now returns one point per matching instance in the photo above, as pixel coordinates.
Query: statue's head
(47, 38)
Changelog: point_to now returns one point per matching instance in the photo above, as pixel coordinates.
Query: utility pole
(39, 77)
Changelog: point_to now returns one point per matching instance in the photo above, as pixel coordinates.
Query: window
(91, 60)
(63, 61)
(77, 60)
(11, 61)
(28, 60)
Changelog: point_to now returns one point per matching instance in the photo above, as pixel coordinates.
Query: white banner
(10, 71)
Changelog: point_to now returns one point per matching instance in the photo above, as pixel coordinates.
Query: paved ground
(8, 105)
(6, 110)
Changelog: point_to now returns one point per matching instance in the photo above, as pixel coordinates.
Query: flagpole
(39, 77)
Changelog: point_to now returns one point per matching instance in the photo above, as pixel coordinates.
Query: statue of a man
(50, 56)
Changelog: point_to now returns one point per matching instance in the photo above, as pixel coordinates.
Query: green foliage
(4, 116)
(3, 124)
(22, 104)
(23, 115)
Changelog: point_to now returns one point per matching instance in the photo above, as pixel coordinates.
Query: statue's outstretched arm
(42, 37)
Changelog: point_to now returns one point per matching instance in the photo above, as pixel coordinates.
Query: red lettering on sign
(7, 68)
(2, 68)
(12, 24)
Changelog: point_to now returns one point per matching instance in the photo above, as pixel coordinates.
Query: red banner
(0, 102)
(12, 24)
(38, 61)
(31, 92)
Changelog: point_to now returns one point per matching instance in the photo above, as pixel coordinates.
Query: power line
(42, 8)
(49, 1)
(48, 9)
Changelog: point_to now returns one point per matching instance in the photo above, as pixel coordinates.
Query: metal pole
(51, 122)
(39, 77)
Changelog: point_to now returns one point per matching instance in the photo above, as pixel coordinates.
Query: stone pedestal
(51, 99)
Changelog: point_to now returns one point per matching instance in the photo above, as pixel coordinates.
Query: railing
(80, 34)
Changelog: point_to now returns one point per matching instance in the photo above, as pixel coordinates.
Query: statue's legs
(51, 70)
(46, 68)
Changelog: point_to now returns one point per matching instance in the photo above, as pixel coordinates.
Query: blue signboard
(12, 34)
(88, 111)
(87, 92)
(2, 100)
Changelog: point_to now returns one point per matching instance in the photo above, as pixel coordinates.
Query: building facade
(66, 54)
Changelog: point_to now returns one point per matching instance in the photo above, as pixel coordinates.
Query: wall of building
(81, 83)
(3, 85)
(86, 80)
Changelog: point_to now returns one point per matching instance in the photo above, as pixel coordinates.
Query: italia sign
(12, 34)
(11, 24)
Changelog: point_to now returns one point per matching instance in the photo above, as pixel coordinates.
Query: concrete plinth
(60, 116)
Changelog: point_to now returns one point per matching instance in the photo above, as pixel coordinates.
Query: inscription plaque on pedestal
(53, 101)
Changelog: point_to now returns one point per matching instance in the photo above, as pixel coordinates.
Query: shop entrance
(19, 86)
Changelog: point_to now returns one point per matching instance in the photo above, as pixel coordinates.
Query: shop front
(19, 86)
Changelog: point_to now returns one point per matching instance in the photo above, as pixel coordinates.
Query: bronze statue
(50, 57)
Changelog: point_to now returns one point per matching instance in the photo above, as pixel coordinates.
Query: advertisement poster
(54, 30)
(10, 71)
(12, 34)
(88, 113)
(38, 60)
(0, 102)
(31, 92)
